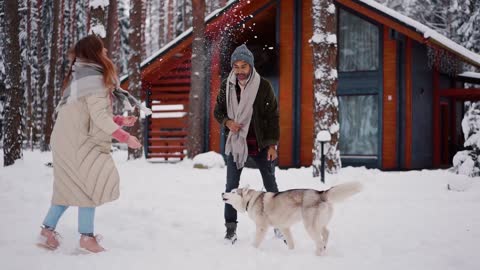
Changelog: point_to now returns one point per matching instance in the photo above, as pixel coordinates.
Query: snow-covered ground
(170, 216)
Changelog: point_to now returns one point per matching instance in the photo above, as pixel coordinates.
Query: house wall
(422, 110)
(306, 88)
(367, 85)
(390, 101)
(286, 87)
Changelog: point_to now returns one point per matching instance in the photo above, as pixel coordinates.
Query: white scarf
(87, 79)
(241, 113)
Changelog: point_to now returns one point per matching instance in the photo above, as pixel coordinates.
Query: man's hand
(272, 153)
(129, 121)
(233, 126)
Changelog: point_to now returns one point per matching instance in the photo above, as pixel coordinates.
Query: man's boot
(231, 234)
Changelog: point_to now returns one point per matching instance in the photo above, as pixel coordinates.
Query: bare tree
(135, 79)
(324, 44)
(12, 148)
(196, 121)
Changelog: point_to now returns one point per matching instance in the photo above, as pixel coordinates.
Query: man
(247, 107)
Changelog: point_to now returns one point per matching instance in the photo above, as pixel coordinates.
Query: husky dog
(282, 209)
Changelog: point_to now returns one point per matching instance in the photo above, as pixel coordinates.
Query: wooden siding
(389, 156)
(286, 13)
(307, 97)
(408, 104)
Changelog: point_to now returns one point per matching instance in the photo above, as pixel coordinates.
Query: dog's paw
(231, 241)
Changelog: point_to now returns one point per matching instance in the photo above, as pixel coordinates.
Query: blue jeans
(86, 216)
(267, 170)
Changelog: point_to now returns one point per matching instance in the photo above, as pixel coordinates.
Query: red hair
(90, 49)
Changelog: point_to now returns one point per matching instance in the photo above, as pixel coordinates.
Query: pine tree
(2, 72)
(324, 44)
(26, 47)
(81, 19)
(135, 79)
(151, 26)
(12, 148)
(213, 5)
(66, 42)
(196, 121)
(162, 23)
(467, 25)
(112, 28)
(32, 104)
(33, 100)
(183, 16)
(98, 11)
(170, 20)
(458, 20)
(124, 24)
(52, 69)
(402, 6)
(467, 162)
(42, 55)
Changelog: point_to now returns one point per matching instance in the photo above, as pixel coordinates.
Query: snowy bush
(208, 160)
(466, 162)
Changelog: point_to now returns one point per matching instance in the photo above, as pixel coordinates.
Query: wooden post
(390, 101)
(285, 153)
(408, 104)
(436, 118)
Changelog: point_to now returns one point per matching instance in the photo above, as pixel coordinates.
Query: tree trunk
(12, 148)
(29, 116)
(161, 24)
(170, 20)
(112, 27)
(135, 79)
(324, 44)
(60, 64)
(196, 115)
(39, 112)
(51, 77)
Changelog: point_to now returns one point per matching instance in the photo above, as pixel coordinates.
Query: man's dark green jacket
(265, 118)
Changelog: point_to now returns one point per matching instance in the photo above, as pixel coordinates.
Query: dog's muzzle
(223, 198)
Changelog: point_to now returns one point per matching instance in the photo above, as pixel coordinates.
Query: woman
(83, 169)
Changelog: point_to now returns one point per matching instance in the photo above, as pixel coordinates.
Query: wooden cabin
(400, 99)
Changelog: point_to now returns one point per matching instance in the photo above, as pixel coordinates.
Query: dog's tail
(343, 191)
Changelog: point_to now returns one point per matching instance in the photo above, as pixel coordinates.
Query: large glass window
(358, 116)
(358, 44)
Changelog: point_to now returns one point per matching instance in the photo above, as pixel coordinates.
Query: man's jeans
(267, 169)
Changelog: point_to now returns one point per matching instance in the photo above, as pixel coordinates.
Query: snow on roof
(469, 74)
(427, 32)
(185, 34)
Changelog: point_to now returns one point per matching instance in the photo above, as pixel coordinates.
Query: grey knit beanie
(242, 53)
